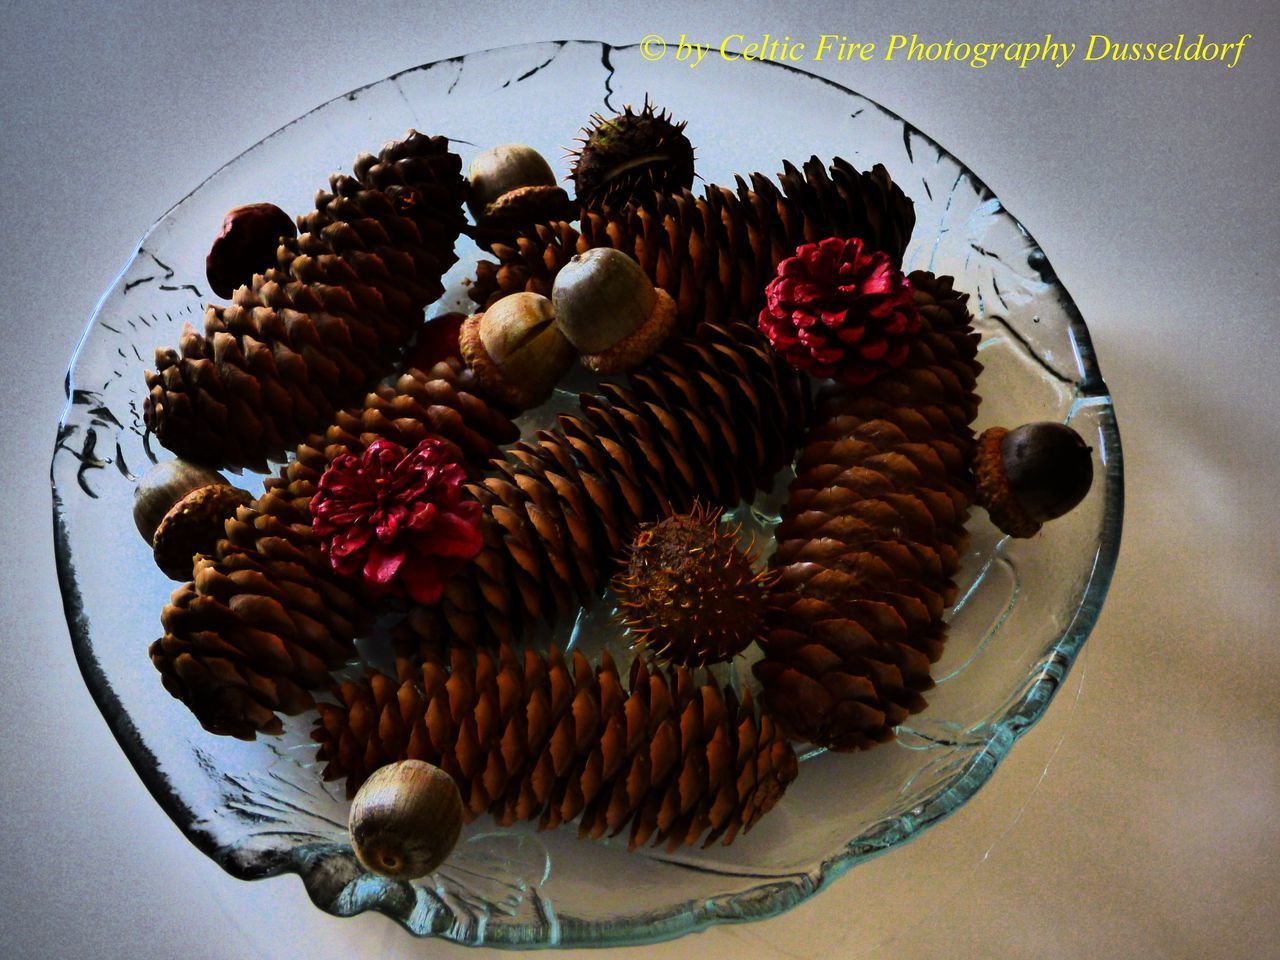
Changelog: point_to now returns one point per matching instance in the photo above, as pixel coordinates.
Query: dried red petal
(838, 310)
(397, 520)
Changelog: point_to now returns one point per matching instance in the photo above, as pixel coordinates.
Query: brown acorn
(516, 349)
(246, 245)
(180, 509)
(163, 485)
(688, 593)
(608, 309)
(630, 156)
(512, 185)
(405, 819)
(1032, 474)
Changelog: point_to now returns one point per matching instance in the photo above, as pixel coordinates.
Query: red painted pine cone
(840, 311)
(264, 620)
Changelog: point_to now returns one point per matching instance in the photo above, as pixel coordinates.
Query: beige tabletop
(1140, 819)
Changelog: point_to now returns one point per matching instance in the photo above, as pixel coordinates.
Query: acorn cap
(194, 525)
(526, 205)
(641, 344)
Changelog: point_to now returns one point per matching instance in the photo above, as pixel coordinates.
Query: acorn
(516, 350)
(512, 185)
(1032, 474)
(163, 485)
(610, 311)
(631, 156)
(688, 594)
(181, 508)
(405, 819)
(246, 245)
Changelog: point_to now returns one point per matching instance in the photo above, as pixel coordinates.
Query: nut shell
(516, 350)
(194, 525)
(1049, 468)
(632, 155)
(405, 819)
(1031, 474)
(246, 245)
(501, 170)
(600, 297)
(164, 485)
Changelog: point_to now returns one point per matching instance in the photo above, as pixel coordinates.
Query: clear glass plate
(259, 809)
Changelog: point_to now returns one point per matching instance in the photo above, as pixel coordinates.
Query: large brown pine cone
(531, 737)
(308, 337)
(872, 536)
(715, 254)
(266, 619)
(711, 418)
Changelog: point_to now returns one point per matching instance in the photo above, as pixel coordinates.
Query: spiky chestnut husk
(631, 155)
(688, 593)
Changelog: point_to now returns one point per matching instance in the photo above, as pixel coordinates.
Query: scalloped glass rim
(316, 863)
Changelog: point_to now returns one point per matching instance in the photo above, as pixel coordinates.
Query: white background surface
(1155, 831)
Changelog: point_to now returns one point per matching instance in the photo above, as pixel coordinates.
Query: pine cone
(716, 253)
(445, 402)
(711, 418)
(267, 618)
(308, 336)
(872, 536)
(534, 738)
(255, 630)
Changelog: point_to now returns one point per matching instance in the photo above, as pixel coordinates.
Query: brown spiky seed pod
(308, 336)
(533, 737)
(629, 156)
(715, 254)
(871, 537)
(688, 594)
(266, 618)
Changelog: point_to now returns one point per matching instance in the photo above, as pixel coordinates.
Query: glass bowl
(259, 809)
